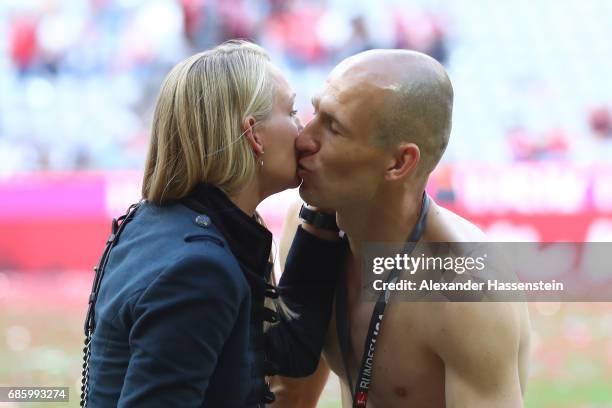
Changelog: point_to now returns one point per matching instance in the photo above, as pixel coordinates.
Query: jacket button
(203, 220)
(270, 315)
(269, 396)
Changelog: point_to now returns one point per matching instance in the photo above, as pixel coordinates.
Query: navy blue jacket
(180, 312)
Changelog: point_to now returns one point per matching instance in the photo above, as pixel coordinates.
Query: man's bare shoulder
(465, 331)
(458, 317)
(444, 225)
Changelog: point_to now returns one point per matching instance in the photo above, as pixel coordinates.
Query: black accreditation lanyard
(364, 377)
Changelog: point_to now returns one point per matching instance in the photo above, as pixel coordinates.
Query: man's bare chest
(404, 372)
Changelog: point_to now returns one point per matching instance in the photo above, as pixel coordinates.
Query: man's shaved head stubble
(410, 99)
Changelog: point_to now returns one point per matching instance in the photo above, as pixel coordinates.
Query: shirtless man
(381, 124)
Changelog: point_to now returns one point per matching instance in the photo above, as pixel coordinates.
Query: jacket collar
(249, 241)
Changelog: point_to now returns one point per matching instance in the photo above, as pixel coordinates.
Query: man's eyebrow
(342, 128)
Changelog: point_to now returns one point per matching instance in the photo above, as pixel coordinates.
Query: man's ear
(248, 127)
(403, 162)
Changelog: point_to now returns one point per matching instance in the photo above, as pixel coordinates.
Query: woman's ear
(255, 140)
(403, 162)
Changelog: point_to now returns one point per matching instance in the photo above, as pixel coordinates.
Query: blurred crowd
(78, 78)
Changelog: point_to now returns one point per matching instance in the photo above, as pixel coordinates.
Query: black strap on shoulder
(90, 323)
(117, 227)
(364, 377)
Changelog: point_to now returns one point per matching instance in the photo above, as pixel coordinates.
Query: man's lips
(303, 168)
(302, 171)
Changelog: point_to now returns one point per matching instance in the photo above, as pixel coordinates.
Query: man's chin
(309, 196)
(305, 192)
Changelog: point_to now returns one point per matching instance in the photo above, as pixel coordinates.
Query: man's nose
(305, 143)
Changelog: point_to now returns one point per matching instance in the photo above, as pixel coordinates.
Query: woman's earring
(261, 160)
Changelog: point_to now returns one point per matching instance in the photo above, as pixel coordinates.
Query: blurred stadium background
(530, 156)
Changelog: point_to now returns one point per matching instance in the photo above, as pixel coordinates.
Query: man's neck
(390, 217)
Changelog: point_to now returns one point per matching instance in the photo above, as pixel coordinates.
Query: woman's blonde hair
(197, 126)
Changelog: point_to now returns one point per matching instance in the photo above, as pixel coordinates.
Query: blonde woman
(184, 288)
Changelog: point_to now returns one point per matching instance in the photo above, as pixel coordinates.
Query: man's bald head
(411, 99)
